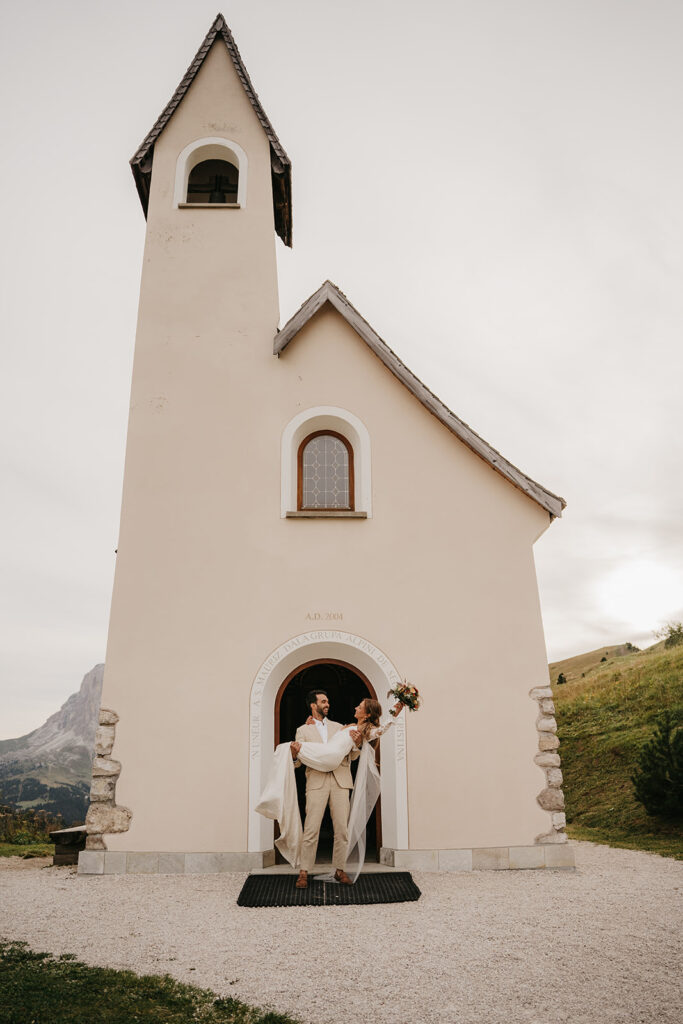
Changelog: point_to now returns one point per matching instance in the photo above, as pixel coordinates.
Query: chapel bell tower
(215, 186)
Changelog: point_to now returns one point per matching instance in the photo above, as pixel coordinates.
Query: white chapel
(280, 531)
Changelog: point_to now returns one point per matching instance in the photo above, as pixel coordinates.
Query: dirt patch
(24, 864)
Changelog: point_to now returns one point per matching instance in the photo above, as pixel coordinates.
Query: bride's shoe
(302, 880)
(342, 877)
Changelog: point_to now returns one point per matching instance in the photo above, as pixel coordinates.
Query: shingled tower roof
(281, 168)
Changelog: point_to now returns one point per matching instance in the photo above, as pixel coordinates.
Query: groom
(323, 788)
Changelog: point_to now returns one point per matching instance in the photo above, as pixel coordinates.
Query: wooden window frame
(300, 473)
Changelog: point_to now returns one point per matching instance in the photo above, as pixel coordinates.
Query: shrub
(671, 634)
(561, 679)
(25, 827)
(658, 780)
(23, 838)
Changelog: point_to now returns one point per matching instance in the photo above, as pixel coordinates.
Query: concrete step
(320, 869)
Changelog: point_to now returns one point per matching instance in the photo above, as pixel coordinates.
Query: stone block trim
(491, 858)
(120, 862)
(551, 797)
(559, 857)
(525, 857)
(91, 862)
(495, 858)
(104, 739)
(104, 815)
(417, 860)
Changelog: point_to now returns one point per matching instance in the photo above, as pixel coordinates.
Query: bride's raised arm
(379, 730)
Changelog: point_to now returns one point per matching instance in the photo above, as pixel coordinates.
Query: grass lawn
(38, 988)
(603, 720)
(666, 846)
(24, 849)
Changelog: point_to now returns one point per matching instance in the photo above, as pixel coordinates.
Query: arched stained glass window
(325, 472)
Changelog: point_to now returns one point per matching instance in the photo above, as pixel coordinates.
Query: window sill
(323, 513)
(209, 206)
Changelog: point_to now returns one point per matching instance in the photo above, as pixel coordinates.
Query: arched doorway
(345, 686)
(283, 662)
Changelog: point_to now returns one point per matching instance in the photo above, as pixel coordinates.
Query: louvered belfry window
(325, 472)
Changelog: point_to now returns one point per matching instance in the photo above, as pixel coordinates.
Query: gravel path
(601, 944)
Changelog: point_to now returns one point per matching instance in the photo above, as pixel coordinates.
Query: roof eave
(142, 182)
(328, 292)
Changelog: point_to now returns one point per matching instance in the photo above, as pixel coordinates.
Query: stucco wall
(210, 578)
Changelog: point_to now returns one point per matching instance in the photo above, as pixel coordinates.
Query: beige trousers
(316, 802)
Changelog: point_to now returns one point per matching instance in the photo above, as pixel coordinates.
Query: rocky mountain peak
(51, 767)
(71, 727)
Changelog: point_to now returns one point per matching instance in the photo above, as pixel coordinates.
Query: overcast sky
(543, 304)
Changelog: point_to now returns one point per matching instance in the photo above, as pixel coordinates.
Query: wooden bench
(68, 844)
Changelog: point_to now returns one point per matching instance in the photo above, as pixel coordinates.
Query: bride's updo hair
(373, 709)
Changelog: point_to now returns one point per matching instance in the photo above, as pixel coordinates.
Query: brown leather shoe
(342, 877)
(302, 880)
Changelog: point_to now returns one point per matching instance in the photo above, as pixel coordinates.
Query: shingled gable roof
(281, 168)
(329, 292)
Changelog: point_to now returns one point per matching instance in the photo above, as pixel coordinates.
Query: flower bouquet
(406, 694)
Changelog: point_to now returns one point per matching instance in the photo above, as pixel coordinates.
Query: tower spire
(281, 167)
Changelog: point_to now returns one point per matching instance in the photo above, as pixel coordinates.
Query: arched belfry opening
(346, 686)
(211, 172)
(213, 181)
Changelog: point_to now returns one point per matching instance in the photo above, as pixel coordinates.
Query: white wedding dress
(279, 798)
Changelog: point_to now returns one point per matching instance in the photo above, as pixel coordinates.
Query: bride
(279, 797)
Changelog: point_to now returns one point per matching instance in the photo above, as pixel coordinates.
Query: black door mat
(375, 887)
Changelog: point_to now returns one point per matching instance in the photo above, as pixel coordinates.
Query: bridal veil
(279, 798)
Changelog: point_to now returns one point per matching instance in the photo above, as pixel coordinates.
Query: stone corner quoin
(551, 797)
(104, 815)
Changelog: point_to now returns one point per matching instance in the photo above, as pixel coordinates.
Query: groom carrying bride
(327, 748)
(322, 788)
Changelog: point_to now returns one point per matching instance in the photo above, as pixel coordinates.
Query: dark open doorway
(346, 687)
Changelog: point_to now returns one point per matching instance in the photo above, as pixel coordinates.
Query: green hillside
(580, 664)
(603, 719)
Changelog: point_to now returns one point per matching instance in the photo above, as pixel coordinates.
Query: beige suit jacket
(315, 779)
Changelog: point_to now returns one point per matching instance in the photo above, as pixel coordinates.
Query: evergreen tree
(658, 780)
